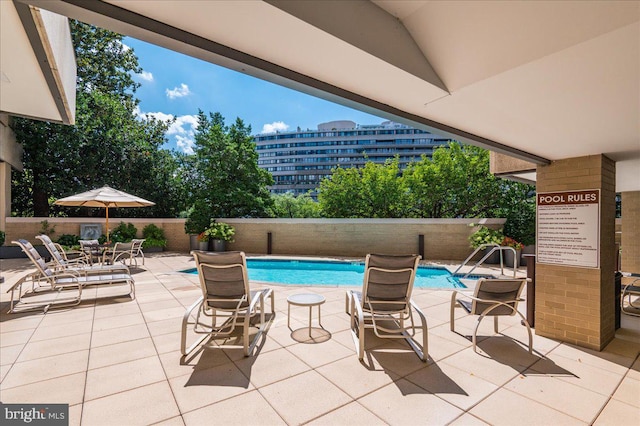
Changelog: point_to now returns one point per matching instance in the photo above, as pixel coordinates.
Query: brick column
(575, 304)
(630, 259)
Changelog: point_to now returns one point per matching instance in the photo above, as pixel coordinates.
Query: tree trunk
(40, 202)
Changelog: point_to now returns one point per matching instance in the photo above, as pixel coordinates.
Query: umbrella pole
(107, 215)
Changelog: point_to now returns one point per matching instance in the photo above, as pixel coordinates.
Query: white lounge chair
(226, 300)
(81, 264)
(46, 279)
(494, 298)
(384, 304)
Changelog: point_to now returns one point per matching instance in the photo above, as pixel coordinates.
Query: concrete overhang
(538, 81)
(37, 64)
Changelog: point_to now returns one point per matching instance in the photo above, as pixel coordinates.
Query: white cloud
(184, 144)
(160, 116)
(276, 126)
(178, 126)
(182, 129)
(178, 92)
(146, 76)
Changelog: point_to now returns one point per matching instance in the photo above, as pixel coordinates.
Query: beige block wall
(630, 238)
(502, 163)
(445, 239)
(576, 305)
(29, 227)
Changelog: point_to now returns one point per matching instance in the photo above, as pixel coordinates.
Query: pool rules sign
(568, 228)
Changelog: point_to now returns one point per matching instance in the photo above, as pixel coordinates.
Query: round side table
(305, 299)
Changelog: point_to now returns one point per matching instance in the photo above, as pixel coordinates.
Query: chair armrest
(477, 299)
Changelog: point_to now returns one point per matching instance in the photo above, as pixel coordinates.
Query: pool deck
(116, 361)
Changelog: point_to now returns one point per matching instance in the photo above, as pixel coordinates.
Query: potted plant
(198, 220)
(203, 241)
(154, 239)
(484, 236)
(508, 254)
(220, 233)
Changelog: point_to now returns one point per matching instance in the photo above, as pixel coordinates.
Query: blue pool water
(330, 273)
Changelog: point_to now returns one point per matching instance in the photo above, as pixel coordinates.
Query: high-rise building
(299, 160)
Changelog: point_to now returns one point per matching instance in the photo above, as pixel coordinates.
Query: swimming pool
(333, 273)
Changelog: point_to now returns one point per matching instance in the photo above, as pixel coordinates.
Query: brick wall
(576, 305)
(445, 239)
(630, 239)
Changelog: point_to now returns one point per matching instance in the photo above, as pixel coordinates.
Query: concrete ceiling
(536, 80)
(37, 64)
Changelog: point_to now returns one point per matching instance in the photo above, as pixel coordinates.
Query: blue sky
(176, 86)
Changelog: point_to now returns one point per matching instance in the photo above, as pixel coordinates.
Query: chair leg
(495, 324)
(474, 338)
(451, 311)
(185, 323)
(245, 332)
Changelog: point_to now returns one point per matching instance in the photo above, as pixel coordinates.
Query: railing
(495, 247)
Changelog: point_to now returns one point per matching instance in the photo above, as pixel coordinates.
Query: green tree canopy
(227, 180)
(108, 144)
(376, 190)
(288, 205)
(456, 182)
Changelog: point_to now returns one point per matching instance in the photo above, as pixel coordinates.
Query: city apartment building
(299, 160)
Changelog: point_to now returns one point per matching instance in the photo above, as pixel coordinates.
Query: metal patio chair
(384, 304)
(227, 302)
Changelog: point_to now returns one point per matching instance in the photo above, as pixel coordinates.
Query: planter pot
(494, 259)
(203, 245)
(508, 258)
(156, 249)
(219, 245)
(194, 244)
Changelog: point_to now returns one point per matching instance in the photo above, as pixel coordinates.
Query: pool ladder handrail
(495, 247)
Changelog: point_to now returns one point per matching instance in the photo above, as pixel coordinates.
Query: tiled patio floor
(116, 361)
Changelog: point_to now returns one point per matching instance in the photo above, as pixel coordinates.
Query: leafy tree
(228, 181)
(456, 182)
(376, 190)
(288, 205)
(108, 144)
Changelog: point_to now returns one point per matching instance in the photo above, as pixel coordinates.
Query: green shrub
(220, 231)
(485, 235)
(46, 228)
(123, 233)
(521, 223)
(68, 240)
(154, 236)
(198, 218)
(2, 237)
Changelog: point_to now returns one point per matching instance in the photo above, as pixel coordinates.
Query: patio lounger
(629, 290)
(226, 300)
(46, 278)
(92, 249)
(31, 292)
(81, 264)
(491, 297)
(384, 304)
(123, 251)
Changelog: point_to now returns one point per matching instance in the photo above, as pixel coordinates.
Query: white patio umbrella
(104, 197)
